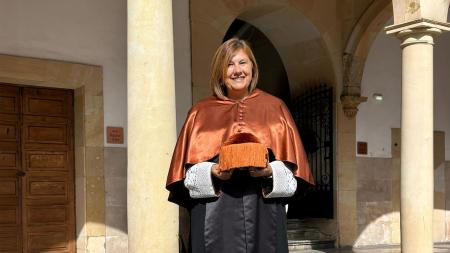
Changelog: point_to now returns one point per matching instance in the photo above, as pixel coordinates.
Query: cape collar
(255, 93)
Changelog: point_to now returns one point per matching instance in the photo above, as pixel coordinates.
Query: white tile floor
(438, 248)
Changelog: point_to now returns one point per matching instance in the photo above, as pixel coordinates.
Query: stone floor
(438, 248)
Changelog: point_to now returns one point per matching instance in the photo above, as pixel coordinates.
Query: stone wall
(378, 214)
(378, 195)
(116, 200)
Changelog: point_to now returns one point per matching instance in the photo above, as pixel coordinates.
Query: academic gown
(240, 219)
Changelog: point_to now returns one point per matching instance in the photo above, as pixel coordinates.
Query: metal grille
(313, 114)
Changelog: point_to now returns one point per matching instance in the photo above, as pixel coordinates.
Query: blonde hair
(220, 62)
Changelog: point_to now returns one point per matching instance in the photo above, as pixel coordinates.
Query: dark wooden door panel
(9, 242)
(10, 166)
(8, 104)
(47, 133)
(55, 215)
(9, 215)
(48, 187)
(9, 99)
(36, 170)
(38, 133)
(46, 161)
(47, 102)
(41, 188)
(9, 130)
(49, 238)
(9, 190)
(8, 160)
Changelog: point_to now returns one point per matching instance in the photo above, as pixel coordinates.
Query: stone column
(152, 220)
(416, 181)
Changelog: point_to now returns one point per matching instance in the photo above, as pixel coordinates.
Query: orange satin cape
(212, 121)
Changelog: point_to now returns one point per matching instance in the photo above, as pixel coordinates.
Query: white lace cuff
(199, 181)
(284, 183)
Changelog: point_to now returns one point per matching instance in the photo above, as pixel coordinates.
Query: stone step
(310, 244)
(309, 233)
(295, 245)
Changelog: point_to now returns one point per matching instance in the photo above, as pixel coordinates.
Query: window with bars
(313, 114)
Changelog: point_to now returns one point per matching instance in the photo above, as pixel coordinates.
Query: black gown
(240, 220)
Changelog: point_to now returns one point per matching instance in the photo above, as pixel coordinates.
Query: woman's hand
(258, 172)
(222, 175)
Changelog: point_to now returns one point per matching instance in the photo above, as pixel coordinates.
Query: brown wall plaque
(114, 135)
(361, 148)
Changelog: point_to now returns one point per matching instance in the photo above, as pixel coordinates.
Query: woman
(238, 210)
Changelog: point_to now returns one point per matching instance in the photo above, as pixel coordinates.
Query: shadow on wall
(378, 195)
(116, 231)
(98, 231)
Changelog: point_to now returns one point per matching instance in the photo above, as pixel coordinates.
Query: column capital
(350, 104)
(418, 31)
(351, 92)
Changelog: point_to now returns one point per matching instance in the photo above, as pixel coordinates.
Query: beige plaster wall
(91, 32)
(378, 195)
(382, 74)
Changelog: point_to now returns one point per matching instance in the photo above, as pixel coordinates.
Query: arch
(302, 46)
(370, 23)
(357, 48)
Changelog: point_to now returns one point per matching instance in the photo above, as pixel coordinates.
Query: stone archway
(306, 47)
(306, 54)
(301, 46)
(356, 51)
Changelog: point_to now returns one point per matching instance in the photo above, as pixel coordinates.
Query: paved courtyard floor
(438, 248)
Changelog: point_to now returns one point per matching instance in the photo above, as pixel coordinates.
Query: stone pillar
(416, 181)
(152, 220)
(346, 179)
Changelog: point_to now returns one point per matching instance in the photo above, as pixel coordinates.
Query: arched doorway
(311, 103)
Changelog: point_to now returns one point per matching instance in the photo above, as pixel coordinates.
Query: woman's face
(238, 75)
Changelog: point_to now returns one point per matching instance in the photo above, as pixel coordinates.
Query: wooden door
(45, 174)
(10, 170)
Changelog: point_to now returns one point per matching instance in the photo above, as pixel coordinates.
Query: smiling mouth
(238, 78)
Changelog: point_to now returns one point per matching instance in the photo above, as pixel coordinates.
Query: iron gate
(313, 114)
